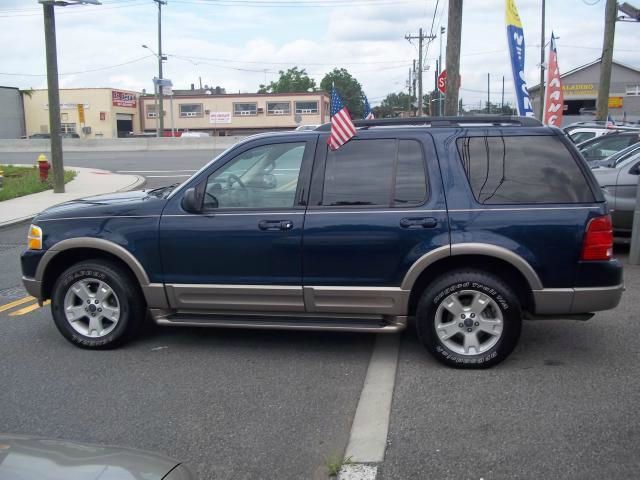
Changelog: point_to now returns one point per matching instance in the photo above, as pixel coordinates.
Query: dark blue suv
(467, 224)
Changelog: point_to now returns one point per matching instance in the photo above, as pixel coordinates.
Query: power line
(70, 10)
(79, 72)
(291, 4)
(291, 62)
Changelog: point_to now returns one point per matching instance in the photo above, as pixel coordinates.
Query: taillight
(598, 239)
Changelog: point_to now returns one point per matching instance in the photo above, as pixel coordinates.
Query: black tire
(469, 280)
(125, 287)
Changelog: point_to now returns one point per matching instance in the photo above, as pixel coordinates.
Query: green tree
(393, 104)
(293, 80)
(348, 88)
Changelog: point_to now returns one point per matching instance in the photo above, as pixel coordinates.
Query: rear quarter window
(522, 170)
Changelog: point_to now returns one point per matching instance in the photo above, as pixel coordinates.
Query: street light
(53, 89)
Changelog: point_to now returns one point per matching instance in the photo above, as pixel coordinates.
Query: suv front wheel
(469, 319)
(97, 304)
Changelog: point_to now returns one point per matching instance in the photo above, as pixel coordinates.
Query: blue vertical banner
(515, 39)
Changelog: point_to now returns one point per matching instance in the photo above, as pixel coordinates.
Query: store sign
(576, 89)
(615, 102)
(69, 106)
(219, 117)
(123, 99)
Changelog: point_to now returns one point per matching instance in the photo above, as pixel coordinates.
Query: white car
(194, 134)
(306, 128)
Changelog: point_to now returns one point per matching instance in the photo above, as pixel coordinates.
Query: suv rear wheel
(96, 304)
(469, 319)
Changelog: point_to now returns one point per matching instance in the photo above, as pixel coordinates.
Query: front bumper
(564, 301)
(33, 287)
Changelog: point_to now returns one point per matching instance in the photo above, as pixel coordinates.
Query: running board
(302, 322)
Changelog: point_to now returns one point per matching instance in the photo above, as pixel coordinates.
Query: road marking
(368, 437)
(15, 303)
(166, 176)
(153, 171)
(28, 308)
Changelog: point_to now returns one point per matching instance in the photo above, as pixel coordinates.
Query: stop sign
(442, 82)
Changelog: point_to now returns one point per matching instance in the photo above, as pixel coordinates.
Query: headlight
(34, 238)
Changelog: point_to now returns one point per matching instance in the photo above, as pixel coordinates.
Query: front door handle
(275, 225)
(418, 222)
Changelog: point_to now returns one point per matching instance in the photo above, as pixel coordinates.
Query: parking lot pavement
(233, 404)
(563, 406)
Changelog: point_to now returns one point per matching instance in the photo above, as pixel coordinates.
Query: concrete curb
(136, 185)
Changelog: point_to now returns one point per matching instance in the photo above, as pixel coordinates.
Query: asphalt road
(232, 404)
(563, 406)
(159, 168)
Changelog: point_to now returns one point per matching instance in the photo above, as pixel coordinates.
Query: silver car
(620, 185)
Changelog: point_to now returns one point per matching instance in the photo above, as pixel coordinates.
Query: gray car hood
(32, 458)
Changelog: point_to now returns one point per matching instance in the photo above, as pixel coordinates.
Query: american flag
(368, 114)
(342, 128)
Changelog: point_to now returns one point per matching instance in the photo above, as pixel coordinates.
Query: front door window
(264, 177)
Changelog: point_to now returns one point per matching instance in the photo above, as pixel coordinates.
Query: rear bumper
(562, 301)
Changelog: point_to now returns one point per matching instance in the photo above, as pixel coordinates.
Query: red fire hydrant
(43, 167)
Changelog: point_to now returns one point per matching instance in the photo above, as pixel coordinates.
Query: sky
(240, 44)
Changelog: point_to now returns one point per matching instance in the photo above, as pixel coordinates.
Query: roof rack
(491, 120)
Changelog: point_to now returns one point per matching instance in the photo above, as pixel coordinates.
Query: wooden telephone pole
(421, 38)
(454, 35)
(606, 60)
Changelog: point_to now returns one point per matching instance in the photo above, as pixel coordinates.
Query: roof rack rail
(493, 120)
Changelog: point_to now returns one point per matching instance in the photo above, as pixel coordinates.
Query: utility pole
(542, 41)
(634, 250)
(437, 99)
(454, 34)
(54, 97)
(606, 60)
(502, 99)
(160, 101)
(413, 80)
(488, 93)
(420, 39)
(440, 96)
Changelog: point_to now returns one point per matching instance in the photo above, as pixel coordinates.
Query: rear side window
(377, 172)
(520, 170)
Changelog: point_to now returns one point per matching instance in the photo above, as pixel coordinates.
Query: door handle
(275, 225)
(418, 222)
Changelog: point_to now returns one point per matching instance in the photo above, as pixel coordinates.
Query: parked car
(582, 131)
(25, 457)
(616, 158)
(194, 135)
(306, 128)
(40, 136)
(620, 185)
(467, 224)
(601, 147)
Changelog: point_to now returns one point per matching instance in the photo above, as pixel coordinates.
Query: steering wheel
(234, 178)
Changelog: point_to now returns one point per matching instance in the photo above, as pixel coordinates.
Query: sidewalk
(88, 182)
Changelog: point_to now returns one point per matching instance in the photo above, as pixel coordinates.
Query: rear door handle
(275, 225)
(418, 222)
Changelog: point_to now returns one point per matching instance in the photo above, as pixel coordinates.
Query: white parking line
(368, 437)
(166, 176)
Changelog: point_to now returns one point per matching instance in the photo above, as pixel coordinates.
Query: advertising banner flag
(515, 39)
(554, 98)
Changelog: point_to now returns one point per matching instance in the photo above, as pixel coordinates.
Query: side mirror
(190, 201)
(635, 170)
